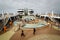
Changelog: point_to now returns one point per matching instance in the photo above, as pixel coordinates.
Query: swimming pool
(34, 25)
(37, 25)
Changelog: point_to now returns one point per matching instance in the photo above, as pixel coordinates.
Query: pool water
(35, 25)
(32, 26)
(39, 24)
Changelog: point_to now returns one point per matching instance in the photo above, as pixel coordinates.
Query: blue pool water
(40, 24)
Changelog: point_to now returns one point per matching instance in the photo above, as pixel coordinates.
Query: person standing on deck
(22, 34)
(10, 23)
(34, 30)
(19, 27)
(5, 28)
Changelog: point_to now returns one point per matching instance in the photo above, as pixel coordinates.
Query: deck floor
(46, 33)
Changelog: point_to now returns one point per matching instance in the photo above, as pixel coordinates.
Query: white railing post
(52, 14)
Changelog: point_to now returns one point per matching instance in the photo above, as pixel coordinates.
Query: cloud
(37, 5)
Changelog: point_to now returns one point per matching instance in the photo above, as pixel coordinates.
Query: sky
(39, 6)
